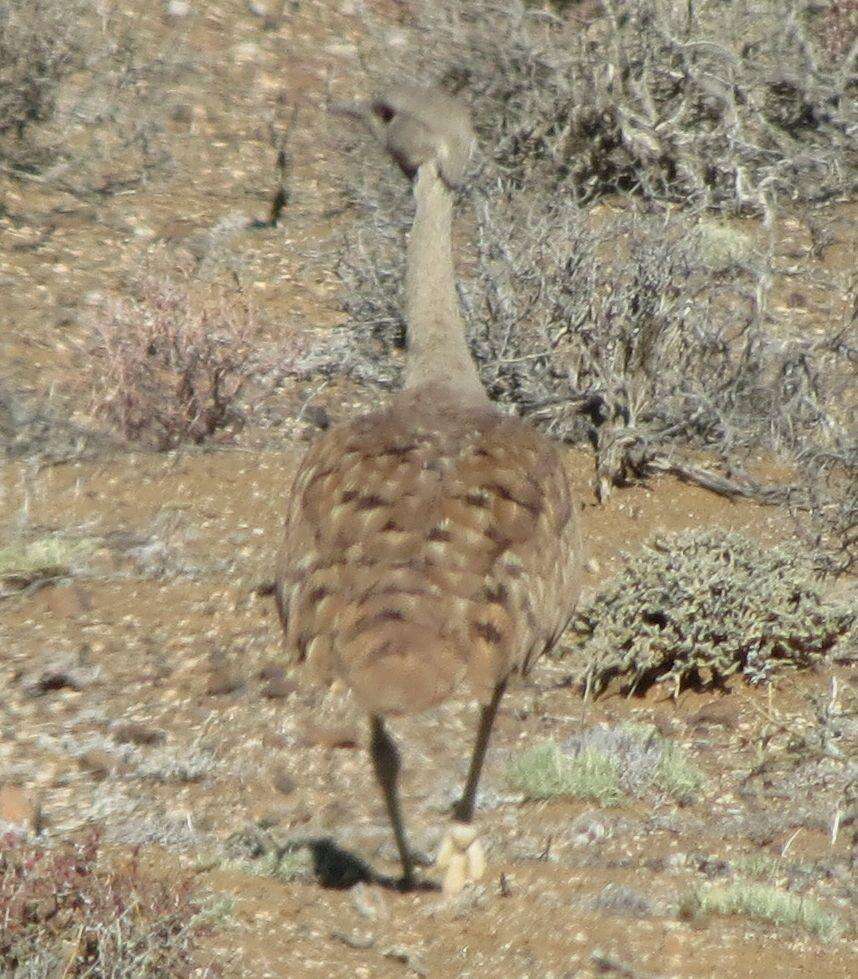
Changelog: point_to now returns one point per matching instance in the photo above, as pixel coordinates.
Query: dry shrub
(86, 91)
(643, 326)
(721, 104)
(67, 911)
(39, 46)
(838, 28)
(617, 318)
(642, 335)
(372, 272)
(169, 368)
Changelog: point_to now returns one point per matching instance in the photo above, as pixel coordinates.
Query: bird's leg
(461, 854)
(463, 811)
(385, 759)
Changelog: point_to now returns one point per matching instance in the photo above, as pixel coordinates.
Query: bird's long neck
(437, 348)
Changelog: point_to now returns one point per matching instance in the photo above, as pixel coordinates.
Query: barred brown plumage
(432, 546)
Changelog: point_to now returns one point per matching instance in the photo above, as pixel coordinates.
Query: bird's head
(418, 126)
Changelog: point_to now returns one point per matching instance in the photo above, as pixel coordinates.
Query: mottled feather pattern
(426, 546)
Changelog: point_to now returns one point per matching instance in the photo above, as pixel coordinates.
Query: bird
(432, 548)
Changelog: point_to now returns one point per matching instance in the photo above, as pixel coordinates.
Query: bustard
(431, 547)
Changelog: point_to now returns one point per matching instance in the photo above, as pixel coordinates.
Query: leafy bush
(64, 910)
(168, 368)
(699, 606)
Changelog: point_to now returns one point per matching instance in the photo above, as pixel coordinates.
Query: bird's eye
(383, 111)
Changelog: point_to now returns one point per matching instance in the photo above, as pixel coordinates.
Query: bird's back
(426, 545)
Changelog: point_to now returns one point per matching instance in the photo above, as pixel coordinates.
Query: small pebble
(279, 688)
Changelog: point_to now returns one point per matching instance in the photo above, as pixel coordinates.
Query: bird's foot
(406, 883)
(409, 883)
(461, 857)
(410, 879)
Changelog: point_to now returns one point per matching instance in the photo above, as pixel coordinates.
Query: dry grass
(24, 562)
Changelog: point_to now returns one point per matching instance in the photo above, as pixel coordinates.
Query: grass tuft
(56, 556)
(758, 865)
(677, 775)
(545, 772)
(607, 763)
(765, 903)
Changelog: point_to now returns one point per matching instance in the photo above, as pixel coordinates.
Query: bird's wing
(419, 554)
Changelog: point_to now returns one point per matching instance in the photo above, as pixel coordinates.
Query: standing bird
(432, 545)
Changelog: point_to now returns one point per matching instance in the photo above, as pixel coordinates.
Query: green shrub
(699, 606)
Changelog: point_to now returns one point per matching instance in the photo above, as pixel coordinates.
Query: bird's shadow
(336, 868)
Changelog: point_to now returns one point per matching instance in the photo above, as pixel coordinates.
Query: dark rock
(222, 681)
(130, 732)
(283, 782)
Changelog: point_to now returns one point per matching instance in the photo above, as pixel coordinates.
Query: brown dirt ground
(181, 541)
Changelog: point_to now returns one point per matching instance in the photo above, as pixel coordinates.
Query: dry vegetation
(39, 45)
(652, 270)
(651, 331)
(167, 369)
(66, 911)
